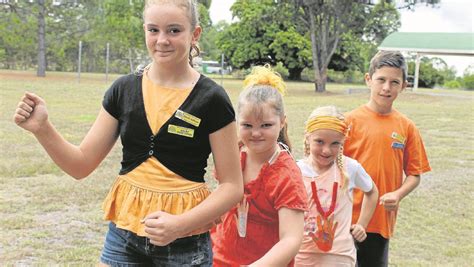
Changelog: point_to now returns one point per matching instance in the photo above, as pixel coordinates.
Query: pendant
(242, 211)
(324, 236)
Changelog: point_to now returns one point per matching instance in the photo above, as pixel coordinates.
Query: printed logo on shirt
(183, 131)
(398, 137)
(398, 145)
(191, 119)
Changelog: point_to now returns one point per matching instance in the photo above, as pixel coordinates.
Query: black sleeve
(221, 111)
(111, 101)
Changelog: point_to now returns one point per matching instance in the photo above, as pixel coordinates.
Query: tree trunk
(318, 85)
(321, 83)
(41, 71)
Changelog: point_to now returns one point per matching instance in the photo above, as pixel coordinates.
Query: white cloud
(449, 16)
(220, 10)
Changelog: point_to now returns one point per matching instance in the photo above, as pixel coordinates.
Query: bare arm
(369, 203)
(391, 200)
(77, 161)
(163, 228)
(291, 223)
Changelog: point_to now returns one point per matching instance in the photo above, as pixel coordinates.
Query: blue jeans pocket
(124, 248)
(188, 251)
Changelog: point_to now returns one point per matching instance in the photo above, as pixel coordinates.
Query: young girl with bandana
(329, 178)
(266, 228)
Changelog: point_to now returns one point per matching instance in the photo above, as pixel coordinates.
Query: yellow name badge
(398, 137)
(193, 120)
(183, 131)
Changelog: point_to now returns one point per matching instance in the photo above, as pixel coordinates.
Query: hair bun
(264, 75)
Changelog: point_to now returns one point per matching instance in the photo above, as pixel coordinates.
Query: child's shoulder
(359, 113)
(305, 168)
(351, 164)
(285, 162)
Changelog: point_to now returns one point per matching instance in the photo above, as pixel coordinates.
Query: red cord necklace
(326, 228)
(321, 211)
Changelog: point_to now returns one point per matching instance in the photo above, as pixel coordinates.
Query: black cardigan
(184, 155)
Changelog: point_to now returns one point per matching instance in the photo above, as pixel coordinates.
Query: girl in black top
(203, 123)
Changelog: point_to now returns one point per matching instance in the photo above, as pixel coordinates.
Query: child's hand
(31, 113)
(162, 228)
(358, 232)
(390, 201)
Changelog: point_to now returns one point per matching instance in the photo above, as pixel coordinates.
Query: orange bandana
(326, 122)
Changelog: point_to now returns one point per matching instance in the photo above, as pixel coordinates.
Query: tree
(60, 25)
(433, 71)
(263, 34)
(43, 14)
(208, 41)
(13, 41)
(327, 21)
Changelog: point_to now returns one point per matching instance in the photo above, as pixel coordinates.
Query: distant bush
(240, 73)
(453, 84)
(349, 76)
(307, 75)
(469, 82)
(282, 70)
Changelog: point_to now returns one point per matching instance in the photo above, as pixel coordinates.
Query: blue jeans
(124, 248)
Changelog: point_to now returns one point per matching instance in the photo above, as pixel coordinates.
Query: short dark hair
(388, 59)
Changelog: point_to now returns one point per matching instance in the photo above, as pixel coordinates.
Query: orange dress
(277, 185)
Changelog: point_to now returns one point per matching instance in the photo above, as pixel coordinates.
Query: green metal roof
(441, 43)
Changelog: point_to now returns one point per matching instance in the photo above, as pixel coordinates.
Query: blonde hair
(193, 14)
(328, 117)
(264, 85)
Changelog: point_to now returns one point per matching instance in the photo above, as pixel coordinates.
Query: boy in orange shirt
(388, 145)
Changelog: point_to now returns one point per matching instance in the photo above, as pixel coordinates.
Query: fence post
(222, 69)
(417, 72)
(79, 62)
(130, 59)
(107, 63)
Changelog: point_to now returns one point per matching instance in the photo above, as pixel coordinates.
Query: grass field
(48, 218)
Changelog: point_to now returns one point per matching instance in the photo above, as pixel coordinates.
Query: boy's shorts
(124, 248)
(373, 251)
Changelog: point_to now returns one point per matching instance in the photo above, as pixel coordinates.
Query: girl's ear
(282, 122)
(196, 34)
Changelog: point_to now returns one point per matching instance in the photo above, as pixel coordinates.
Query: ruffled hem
(126, 204)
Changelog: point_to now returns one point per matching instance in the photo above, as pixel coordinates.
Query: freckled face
(324, 146)
(168, 33)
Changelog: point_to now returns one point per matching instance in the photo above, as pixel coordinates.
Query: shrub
(469, 82)
(453, 84)
(282, 70)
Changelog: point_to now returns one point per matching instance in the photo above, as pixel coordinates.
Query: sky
(449, 16)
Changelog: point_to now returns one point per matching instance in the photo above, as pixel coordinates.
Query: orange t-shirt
(387, 146)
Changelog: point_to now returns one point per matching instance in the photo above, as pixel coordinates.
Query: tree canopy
(45, 34)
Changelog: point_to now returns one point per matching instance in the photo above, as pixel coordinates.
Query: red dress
(279, 185)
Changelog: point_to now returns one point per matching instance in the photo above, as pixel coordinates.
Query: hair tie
(264, 75)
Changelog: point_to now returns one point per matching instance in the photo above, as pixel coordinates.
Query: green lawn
(46, 217)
